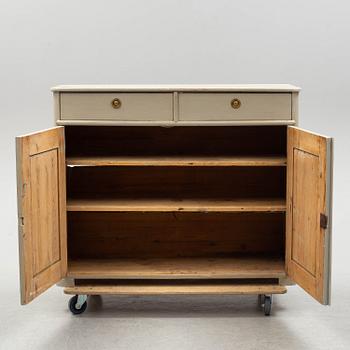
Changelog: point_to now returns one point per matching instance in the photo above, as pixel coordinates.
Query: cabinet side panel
(295, 107)
(56, 107)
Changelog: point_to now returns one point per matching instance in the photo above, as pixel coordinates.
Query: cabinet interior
(182, 202)
(143, 141)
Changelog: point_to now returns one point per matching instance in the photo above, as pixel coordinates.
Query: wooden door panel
(308, 198)
(305, 190)
(42, 211)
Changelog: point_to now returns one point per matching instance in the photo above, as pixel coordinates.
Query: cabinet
(174, 189)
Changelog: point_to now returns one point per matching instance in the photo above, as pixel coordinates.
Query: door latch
(323, 221)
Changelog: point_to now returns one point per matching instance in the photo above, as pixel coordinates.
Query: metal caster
(77, 304)
(265, 302)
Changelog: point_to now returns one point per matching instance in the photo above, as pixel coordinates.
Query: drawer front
(117, 106)
(234, 106)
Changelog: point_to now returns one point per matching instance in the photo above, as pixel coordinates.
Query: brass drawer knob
(235, 103)
(116, 103)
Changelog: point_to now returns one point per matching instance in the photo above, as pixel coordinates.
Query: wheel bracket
(82, 298)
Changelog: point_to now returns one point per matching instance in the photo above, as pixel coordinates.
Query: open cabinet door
(41, 186)
(308, 230)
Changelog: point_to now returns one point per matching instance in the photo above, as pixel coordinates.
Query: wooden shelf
(176, 268)
(169, 205)
(187, 289)
(177, 161)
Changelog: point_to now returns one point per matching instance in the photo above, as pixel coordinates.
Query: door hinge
(23, 190)
(21, 226)
(323, 221)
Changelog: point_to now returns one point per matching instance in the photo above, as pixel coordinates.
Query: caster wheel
(72, 304)
(267, 305)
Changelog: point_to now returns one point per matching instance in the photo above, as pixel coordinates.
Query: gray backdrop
(44, 43)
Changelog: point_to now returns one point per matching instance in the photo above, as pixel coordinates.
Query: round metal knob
(116, 103)
(235, 103)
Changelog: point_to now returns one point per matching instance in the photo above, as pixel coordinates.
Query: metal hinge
(21, 226)
(323, 221)
(23, 189)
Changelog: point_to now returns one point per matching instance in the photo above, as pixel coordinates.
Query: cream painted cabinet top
(171, 105)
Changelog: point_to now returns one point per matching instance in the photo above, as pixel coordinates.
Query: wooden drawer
(249, 106)
(131, 106)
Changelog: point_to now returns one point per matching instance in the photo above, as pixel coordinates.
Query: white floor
(228, 322)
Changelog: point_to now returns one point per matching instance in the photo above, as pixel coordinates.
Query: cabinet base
(182, 289)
